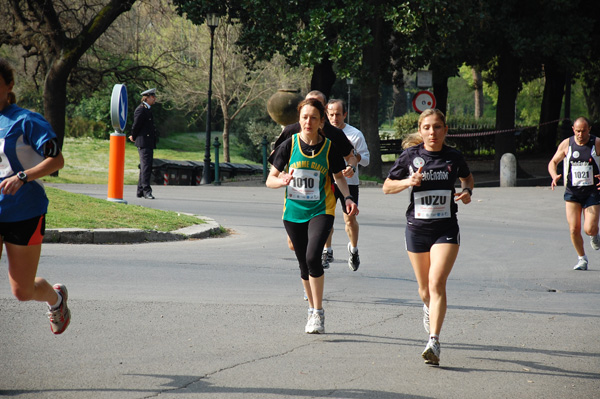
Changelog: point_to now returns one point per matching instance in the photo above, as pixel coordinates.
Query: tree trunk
(399, 93)
(441, 73)
(226, 124)
(323, 77)
(440, 90)
(508, 87)
(478, 93)
(65, 55)
(567, 114)
(55, 98)
(591, 93)
(554, 90)
(369, 97)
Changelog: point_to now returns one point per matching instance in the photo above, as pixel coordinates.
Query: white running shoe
(426, 318)
(581, 265)
(309, 324)
(431, 354)
(61, 317)
(354, 259)
(326, 258)
(319, 323)
(595, 241)
(316, 324)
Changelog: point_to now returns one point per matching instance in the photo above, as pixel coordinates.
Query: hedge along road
(224, 317)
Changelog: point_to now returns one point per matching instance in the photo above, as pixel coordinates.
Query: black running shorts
(353, 188)
(418, 242)
(25, 232)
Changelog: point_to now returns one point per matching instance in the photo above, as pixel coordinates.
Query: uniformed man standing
(143, 134)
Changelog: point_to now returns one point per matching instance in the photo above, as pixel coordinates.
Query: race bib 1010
(304, 185)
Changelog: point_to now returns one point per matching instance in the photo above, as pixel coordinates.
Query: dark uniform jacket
(143, 130)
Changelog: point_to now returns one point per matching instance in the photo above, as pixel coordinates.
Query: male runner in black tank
(581, 162)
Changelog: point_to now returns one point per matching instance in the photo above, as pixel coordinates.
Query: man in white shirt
(337, 112)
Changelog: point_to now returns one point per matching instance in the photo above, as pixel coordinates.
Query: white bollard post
(508, 170)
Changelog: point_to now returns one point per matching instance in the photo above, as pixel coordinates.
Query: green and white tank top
(310, 192)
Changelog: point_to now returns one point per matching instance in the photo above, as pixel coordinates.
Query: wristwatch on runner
(22, 176)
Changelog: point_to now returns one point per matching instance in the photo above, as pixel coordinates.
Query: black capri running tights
(309, 239)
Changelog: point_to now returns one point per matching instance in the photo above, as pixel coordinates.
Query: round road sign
(423, 100)
(118, 107)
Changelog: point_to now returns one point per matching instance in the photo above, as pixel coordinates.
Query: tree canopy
(352, 35)
(56, 35)
(510, 42)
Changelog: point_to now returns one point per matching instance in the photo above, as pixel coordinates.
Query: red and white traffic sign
(423, 100)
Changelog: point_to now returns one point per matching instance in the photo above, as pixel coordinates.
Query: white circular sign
(118, 107)
(423, 100)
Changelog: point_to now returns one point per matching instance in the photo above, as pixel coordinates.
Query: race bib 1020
(432, 204)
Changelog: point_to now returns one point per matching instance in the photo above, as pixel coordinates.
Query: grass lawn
(86, 159)
(80, 211)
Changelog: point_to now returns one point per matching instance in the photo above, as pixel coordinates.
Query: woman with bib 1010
(304, 164)
(429, 169)
(28, 151)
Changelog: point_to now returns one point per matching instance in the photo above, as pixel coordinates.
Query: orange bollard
(116, 167)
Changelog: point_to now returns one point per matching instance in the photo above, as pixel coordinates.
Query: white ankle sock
(58, 302)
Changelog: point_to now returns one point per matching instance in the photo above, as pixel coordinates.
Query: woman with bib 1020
(429, 169)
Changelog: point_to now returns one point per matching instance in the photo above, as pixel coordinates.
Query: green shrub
(405, 125)
(95, 107)
(252, 138)
(408, 123)
(468, 122)
(78, 127)
(460, 124)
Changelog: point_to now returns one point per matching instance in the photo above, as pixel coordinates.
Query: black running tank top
(580, 167)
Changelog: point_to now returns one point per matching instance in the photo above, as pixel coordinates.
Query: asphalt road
(224, 317)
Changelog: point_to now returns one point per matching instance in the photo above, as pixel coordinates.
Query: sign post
(116, 162)
(423, 100)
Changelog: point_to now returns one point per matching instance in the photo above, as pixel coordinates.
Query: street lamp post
(349, 82)
(212, 20)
